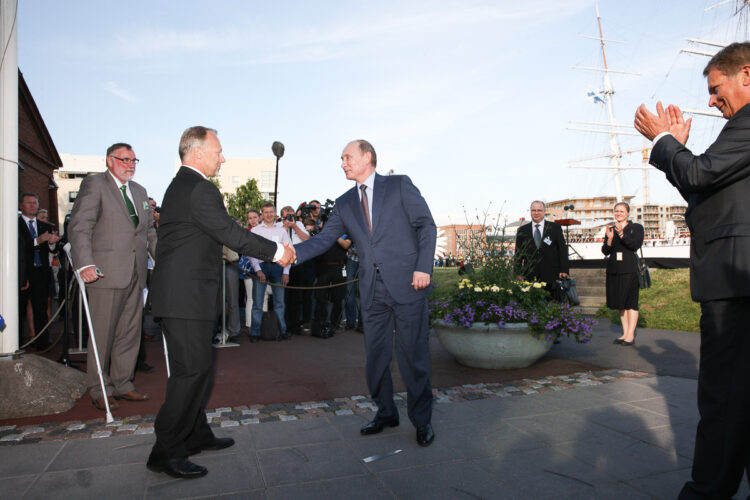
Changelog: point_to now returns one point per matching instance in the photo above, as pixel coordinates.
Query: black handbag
(565, 291)
(644, 275)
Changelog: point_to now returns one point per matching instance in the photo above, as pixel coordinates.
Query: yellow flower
(495, 288)
(525, 289)
(486, 288)
(460, 286)
(477, 289)
(537, 285)
(543, 283)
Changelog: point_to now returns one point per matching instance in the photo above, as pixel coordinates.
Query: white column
(9, 176)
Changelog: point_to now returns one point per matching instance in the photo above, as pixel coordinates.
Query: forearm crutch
(92, 337)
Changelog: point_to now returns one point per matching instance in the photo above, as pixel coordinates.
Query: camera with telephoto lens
(325, 210)
(289, 217)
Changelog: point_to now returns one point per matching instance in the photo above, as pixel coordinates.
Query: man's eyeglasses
(126, 161)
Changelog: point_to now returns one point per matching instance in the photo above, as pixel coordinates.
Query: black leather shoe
(375, 427)
(627, 344)
(181, 468)
(216, 444)
(425, 435)
(617, 341)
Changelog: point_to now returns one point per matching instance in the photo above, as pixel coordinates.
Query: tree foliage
(246, 196)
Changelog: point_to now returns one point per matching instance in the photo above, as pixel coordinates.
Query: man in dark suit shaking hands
(390, 223)
(193, 226)
(716, 186)
(541, 253)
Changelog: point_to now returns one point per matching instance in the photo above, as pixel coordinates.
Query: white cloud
(123, 94)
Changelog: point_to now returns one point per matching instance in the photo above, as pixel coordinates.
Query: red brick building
(37, 155)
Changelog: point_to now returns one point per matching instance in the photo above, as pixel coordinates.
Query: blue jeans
(273, 275)
(352, 301)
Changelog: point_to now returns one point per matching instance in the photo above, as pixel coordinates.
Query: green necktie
(129, 204)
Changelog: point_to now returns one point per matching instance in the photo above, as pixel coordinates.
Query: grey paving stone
(572, 399)
(670, 385)
(664, 485)
(298, 432)
(27, 458)
(480, 442)
(309, 463)
(94, 483)
(536, 473)
(411, 455)
(458, 414)
(85, 453)
(514, 406)
(227, 474)
(678, 409)
(360, 487)
(614, 491)
(14, 487)
(679, 437)
(454, 480)
(624, 418)
(561, 427)
(625, 457)
(624, 391)
(239, 495)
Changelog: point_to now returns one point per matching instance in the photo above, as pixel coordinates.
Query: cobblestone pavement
(258, 414)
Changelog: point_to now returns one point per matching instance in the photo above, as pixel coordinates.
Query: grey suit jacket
(101, 231)
(716, 186)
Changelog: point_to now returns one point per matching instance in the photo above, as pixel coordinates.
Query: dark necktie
(37, 257)
(129, 204)
(537, 236)
(365, 206)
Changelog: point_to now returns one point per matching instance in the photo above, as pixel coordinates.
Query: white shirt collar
(196, 170)
(369, 182)
(118, 180)
(541, 225)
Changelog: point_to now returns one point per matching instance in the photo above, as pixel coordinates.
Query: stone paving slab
(283, 412)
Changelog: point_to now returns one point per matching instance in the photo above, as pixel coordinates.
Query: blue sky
(468, 98)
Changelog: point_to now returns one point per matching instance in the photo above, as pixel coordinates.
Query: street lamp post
(278, 152)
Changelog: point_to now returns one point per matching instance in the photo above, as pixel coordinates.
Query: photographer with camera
(294, 298)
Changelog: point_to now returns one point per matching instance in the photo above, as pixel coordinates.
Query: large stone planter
(489, 346)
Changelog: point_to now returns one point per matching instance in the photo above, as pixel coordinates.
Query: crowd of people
(317, 298)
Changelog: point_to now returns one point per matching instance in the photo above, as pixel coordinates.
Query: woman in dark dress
(622, 241)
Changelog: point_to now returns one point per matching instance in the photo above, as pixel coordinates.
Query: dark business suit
(546, 262)
(37, 275)
(716, 186)
(402, 241)
(622, 267)
(193, 226)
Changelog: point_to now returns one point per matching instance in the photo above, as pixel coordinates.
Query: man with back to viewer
(716, 186)
(395, 234)
(193, 226)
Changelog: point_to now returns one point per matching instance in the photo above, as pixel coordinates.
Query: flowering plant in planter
(512, 302)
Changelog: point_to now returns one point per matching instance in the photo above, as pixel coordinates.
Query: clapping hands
(669, 120)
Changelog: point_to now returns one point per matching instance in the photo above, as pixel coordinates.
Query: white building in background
(237, 171)
(69, 177)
